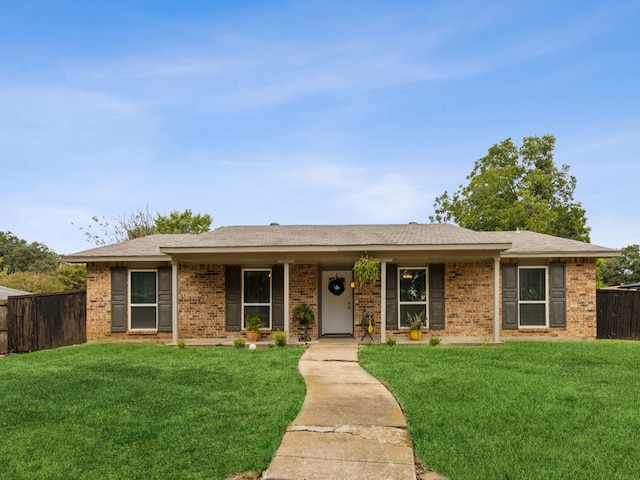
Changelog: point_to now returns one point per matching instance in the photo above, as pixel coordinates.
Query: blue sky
(306, 112)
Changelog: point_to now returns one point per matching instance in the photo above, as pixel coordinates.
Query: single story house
(485, 284)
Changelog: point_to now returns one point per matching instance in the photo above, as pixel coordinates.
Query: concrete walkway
(350, 426)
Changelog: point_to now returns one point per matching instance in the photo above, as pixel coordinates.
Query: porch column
(174, 302)
(383, 302)
(286, 298)
(496, 299)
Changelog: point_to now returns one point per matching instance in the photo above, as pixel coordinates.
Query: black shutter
(510, 296)
(165, 307)
(118, 299)
(392, 297)
(436, 297)
(233, 282)
(277, 284)
(558, 307)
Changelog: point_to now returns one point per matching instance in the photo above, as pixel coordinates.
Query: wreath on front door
(336, 286)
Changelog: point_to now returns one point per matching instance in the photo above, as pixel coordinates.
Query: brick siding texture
(468, 303)
(99, 309)
(367, 297)
(303, 288)
(581, 303)
(201, 302)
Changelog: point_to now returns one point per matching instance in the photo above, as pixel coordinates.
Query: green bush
(280, 338)
(239, 343)
(434, 341)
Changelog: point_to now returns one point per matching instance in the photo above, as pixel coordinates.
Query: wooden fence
(50, 320)
(618, 313)
(3, 327)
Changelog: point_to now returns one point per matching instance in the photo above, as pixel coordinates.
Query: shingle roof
(332, 235)
(281, 237)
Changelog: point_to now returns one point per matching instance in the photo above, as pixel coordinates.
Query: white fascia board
(337, 248)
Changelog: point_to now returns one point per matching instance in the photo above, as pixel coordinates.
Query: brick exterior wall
(468, 303)
(581, 303)
(367, 297)
(99, 308)
(201, 302)
(303, 288)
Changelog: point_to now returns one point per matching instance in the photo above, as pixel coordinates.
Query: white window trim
(426, 296)
(131, 305)
(535, 302)
(270, 304)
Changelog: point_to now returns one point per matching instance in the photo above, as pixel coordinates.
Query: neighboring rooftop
(6, 292)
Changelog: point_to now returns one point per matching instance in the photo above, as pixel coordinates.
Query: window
(532, 296)
(143, 294)
(412, 293)
(256, 295)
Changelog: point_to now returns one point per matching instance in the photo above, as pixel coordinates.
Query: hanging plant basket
(366, 269)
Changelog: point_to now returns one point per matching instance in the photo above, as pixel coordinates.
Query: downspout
(383, 302)
(286, 298)
(496, 299)
(174, 301)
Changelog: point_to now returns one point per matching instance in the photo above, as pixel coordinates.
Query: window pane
(262, 312)
(143, 287)
(406, 309)
(532, 284)
(143, 317)
(257, 286)
(532, 315)
(413, 286)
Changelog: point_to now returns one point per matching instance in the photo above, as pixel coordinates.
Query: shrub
(182, 343)
(239, 342)
(280, 338)
(391, 341)
(433, 341)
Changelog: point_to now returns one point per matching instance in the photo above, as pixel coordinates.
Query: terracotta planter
(252, 336)
(415, 334)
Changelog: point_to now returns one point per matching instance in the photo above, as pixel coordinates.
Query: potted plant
(303, 315)
(253, 324)
(366, 269)
(416, 322)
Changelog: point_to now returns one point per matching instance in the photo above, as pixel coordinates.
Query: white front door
(337, 299)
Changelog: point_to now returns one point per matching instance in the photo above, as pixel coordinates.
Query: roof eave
(560, 254)
(116, 258)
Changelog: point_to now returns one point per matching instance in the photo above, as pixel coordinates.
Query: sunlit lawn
(525, 410)
(153, 412)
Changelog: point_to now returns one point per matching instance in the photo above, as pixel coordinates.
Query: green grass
(141, 411)
(526, 410)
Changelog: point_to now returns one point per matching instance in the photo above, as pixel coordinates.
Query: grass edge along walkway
(145, 411)
(525, 410)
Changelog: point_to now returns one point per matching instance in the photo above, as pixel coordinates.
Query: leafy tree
(623, 269)
(32, 282)
(126, 226)
(16, 255)
(135, 224)
(517, 188)
(185, 222)
(72, 277)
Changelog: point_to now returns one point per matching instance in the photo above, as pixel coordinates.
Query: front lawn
(525, 410)
(143, 411)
